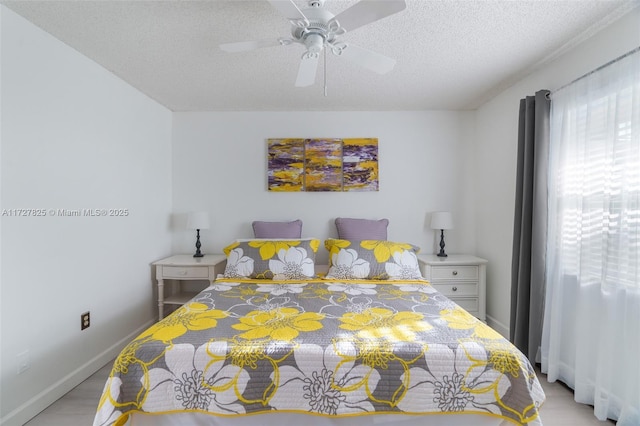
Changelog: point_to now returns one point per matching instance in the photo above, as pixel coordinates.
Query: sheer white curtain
(591, 333)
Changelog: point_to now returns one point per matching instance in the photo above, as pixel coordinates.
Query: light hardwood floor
(78, 407)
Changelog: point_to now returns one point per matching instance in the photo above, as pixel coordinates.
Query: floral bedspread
(323, 347)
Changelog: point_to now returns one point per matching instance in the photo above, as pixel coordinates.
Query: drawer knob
(455, 272)
(454, 288)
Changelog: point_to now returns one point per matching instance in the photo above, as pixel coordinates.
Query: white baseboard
(498, 326)
(48, 396)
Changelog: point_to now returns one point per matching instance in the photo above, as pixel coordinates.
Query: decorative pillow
(361, 229)
(291, 229)
(372, 260)
(271, 259)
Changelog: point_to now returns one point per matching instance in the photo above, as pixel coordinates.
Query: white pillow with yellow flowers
(372, 260)
(271, 259)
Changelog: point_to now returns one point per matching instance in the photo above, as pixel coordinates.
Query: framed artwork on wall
(320, 165)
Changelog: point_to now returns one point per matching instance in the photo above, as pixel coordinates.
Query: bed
(369, 342)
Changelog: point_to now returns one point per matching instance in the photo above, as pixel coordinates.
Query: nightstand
(185, 267)
(462, 278)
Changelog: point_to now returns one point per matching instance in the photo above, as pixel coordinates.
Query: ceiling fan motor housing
(319, 30)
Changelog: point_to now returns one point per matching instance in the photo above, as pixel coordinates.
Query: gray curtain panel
(530, 225)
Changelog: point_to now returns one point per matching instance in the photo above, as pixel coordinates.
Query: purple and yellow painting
(323, 164)
(360, 164)
(286, 165)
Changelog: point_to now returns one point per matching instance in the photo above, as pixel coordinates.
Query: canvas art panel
(323, 165)
(360, 164)
(286, 165)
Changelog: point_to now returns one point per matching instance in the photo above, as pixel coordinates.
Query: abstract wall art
(314, 165)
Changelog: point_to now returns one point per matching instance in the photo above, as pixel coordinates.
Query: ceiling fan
(318, 29)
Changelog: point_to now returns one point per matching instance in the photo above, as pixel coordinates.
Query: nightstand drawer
(469, 304)
(461, 272)
(457, 289)
(185, 272)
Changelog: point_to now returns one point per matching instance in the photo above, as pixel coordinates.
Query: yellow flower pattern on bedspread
(383, 250)
(321, 347)
(279, 324)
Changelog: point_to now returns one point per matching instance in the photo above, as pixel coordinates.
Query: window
(598, 187)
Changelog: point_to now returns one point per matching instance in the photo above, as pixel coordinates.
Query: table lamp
(441, 221)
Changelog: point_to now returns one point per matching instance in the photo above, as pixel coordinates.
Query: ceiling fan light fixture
(314, 43)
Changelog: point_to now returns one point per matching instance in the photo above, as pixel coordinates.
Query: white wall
(497, 150)
(73, 136)
(219, 166)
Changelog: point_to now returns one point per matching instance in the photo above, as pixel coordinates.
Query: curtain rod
(631, 52)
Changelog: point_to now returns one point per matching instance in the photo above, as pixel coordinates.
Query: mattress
(335, 352)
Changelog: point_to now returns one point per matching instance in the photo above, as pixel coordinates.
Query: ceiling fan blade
(245, 46)
(371, 60)
(307, 71)
(367, 11)
(288, 9)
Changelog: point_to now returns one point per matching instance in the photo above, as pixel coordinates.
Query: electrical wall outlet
(85, 320)
(24, 361)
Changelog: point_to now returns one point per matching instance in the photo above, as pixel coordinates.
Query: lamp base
(442, 253)
(198, 245)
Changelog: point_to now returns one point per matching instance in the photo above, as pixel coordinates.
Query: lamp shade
(198, 220)
(441, 220)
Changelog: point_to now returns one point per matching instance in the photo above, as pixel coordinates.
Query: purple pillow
(361, 229)
(291, 229)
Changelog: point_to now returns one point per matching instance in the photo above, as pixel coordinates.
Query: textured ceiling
(450, 54)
